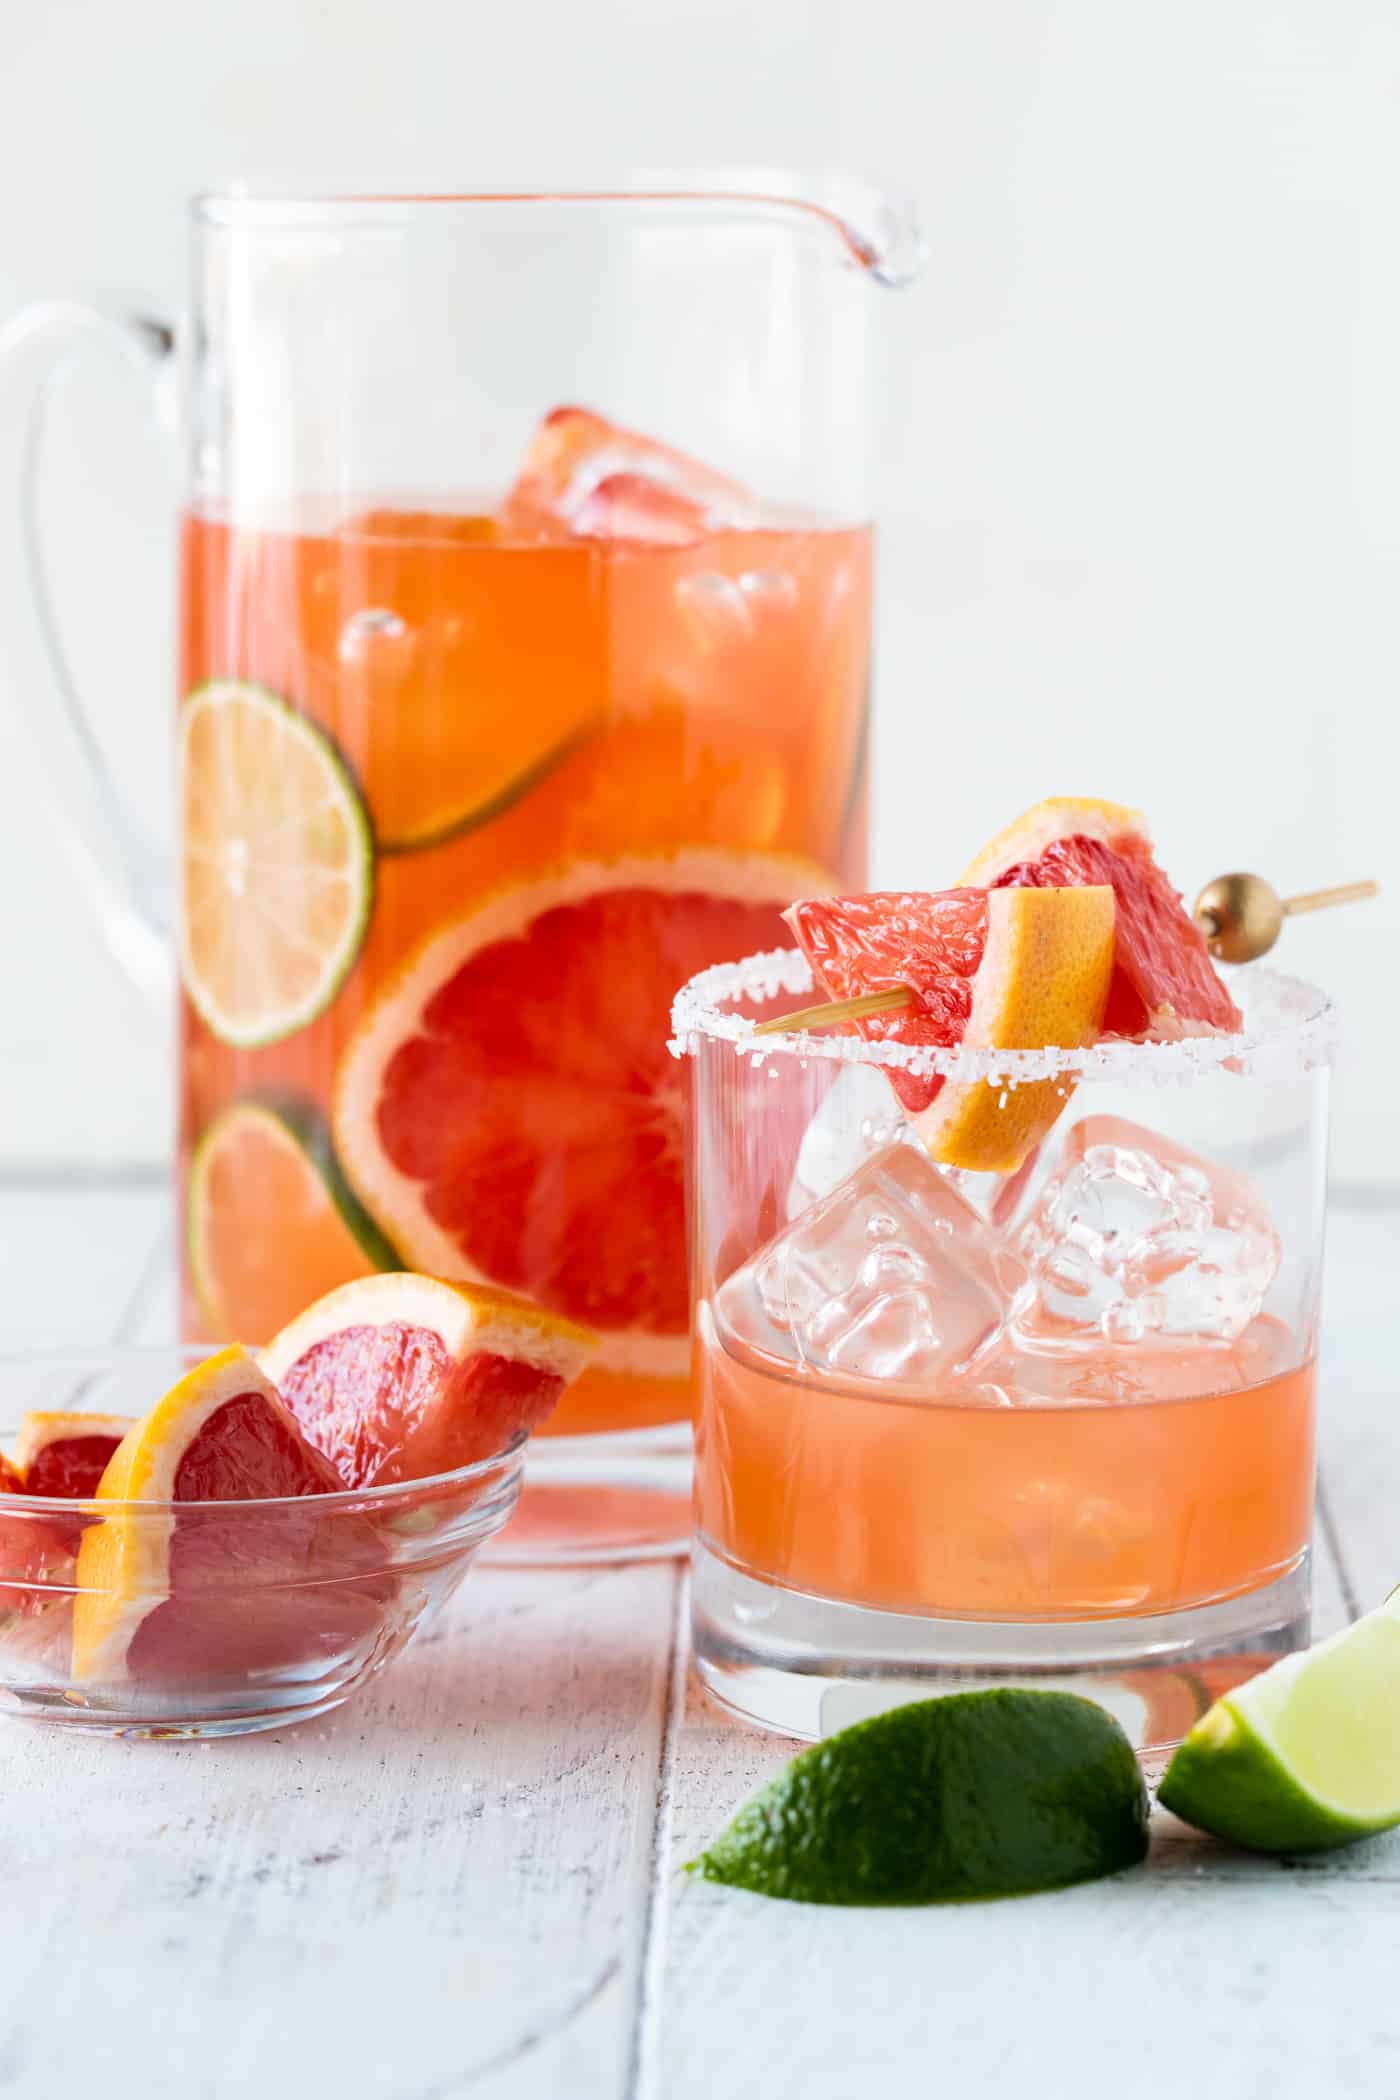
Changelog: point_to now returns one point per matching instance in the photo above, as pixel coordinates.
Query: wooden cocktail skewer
(892, 1002)
(1240, 915)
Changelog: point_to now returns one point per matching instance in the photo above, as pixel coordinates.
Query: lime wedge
(998, 1793)
(1305, 1756)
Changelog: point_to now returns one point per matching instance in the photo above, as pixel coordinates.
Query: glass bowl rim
(1299, 1035)
(362, 1501)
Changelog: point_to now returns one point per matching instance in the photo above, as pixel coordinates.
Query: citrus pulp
(510, 1114)
(218, 1588)
(988, 969)
(1305, 1756)
(402, 1377)
(66, 1454)
(278, 868)
(1164, 982)
(584, 474)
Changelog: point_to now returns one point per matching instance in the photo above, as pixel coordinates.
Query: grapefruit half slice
(402, 1377)
(220, 1435)
(509, 1112)
(1164, 982)
(1017, 969)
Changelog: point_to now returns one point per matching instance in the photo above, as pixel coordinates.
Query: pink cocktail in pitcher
(526, 581)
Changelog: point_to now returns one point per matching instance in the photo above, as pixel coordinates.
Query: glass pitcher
(526, 583)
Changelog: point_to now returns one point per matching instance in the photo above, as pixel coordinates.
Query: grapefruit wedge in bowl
(257, 1547)
(402, 1377)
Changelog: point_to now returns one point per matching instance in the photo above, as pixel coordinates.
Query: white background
(1143, 513)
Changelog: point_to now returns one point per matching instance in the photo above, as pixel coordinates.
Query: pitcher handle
(124, 871)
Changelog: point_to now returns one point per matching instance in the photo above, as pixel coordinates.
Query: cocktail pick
(1240, 915)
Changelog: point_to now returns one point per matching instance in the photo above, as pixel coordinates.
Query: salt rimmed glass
(958, 1429)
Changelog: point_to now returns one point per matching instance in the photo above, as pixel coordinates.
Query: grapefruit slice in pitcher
(160, 1593)
(402, 1377)
(1020, 969)
(585, 475)
(509, 1111)
(1164, 982)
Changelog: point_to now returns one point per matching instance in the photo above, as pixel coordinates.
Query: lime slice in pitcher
(278, 864)
(1305, 1756)
(270, 1219)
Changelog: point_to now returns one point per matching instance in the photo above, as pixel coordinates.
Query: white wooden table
(466, 1883)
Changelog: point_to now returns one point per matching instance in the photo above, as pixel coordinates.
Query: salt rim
(1290, 1026)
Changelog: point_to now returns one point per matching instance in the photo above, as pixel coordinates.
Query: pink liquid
(1071, 1509)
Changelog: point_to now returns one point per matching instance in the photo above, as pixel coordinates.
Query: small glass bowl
(216, 1618)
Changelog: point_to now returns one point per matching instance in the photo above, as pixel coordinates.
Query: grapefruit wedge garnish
(509, 1113)
(1017, 969)
(158, 1590)
(271, 1221)
(403, 1377)
(66, 1454)
(1164, 982)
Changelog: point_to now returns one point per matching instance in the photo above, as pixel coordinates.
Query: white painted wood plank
(1360, 1397)
(71, 1259)
(1332, 1602)
(438, 1890)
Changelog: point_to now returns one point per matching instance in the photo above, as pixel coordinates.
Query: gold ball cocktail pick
(1240, 915)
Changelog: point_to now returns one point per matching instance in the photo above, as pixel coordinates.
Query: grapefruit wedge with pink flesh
(57, 1453)
(585, 475)
(36, 1554)
(1164, 982)
(1019, 969)
(509, 1113)
(402, 1377)
(218, 1589)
